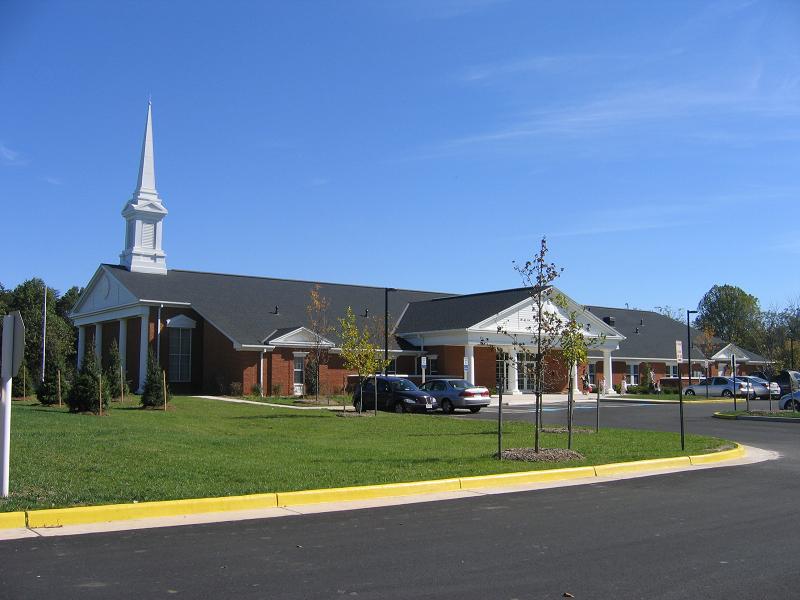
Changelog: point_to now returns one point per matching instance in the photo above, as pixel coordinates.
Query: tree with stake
(115, 374)
(89, 389)
(50, 390)
(538, 275)
(320, 327)
(359, 353)
(574, 351)
(155, 392)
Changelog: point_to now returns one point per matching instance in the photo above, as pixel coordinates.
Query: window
(437, 386)
(592, 371)
(180, 355)
(501, 368)
(392, 366)
(633, 374)
(299, 363)
(672, 371)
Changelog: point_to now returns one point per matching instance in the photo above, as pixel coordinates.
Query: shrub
(277, 389)
(236, 388)
(153, 394)
(85, 392)
(47, 393)
(116, 386)
(256, 390)
(22, 384)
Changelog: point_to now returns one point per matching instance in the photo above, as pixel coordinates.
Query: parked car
(783, 380)
(457, 393)
(762, 388)
(720, 386)
(395, 394)
(790, 402)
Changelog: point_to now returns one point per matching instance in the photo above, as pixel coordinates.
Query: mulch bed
(544, 455)
(565, 430)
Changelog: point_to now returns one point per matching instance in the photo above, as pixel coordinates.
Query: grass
(305, 401)
(786, 414)
(208, 448)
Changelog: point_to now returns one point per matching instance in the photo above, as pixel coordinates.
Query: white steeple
(143, 215)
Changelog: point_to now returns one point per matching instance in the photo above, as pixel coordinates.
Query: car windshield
(460, 384)
(404, 385)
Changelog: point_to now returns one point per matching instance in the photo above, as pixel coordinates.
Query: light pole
(689, 369)
(386, 326)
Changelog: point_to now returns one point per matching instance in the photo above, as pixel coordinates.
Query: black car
(395, 394)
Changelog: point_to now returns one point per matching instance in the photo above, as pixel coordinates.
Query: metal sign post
(733, 368)
(679, 359)
(13, 353)
(466, 368)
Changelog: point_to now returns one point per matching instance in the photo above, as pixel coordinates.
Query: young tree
(153, 393)
(55, 381)
(538, 275)
(320, 327)
(89, 386)
(117, 378)
(359, 352)
(574, 351)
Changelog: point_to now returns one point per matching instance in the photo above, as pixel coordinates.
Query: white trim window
(633, 374)
(299, 370)
(672, 371)
(179, 368)
(592, 371)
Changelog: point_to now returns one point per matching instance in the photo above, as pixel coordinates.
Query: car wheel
(474, 409)
(727, 394)
(399, 408)
(690, 392)
(794, 404)
(447, 407)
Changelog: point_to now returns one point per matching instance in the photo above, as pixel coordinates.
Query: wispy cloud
(52, 180)
(11, 158)
(482, 72)
(643, 104)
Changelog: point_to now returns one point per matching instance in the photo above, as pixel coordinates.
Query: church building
(218, 334)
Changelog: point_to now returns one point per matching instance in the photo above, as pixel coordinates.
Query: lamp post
(386, 326)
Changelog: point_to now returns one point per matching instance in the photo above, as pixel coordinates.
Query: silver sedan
(720, 386)
(790, 402)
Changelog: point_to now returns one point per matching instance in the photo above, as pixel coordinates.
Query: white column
(607, 373)
(123, 343)
(574, 378)
(81, 344)
(469, 354)
(261, 372)
(143, 347)
(513, 378)
(98, 343)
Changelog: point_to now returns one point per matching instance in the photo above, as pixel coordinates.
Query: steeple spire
(144, 214)
(146, 185)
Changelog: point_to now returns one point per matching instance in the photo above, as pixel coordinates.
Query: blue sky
(412, 143)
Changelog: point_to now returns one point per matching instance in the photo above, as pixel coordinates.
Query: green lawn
(209, 448)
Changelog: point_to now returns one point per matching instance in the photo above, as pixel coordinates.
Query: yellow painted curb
(642, 465)
(366, 492)
(501, 479)
(56, 517)
(12, 520)
(714, 457)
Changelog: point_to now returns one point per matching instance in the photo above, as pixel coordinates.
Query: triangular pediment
(520, 319)
(301, 337)
(103, 292)
(725, 354)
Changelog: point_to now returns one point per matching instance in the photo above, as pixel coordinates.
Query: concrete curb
(80, 515)
(719, 415)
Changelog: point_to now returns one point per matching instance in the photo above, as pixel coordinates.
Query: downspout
(158, 336)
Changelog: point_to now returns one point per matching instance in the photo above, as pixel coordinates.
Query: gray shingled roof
(652, 335)
(458, 312)
(240, 306)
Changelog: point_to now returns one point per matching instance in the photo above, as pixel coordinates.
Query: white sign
(466, 364)
(424, 360)
(679, 350)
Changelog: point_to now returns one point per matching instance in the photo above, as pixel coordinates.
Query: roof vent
(637, 330)
(641, 322)
(609, 321)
